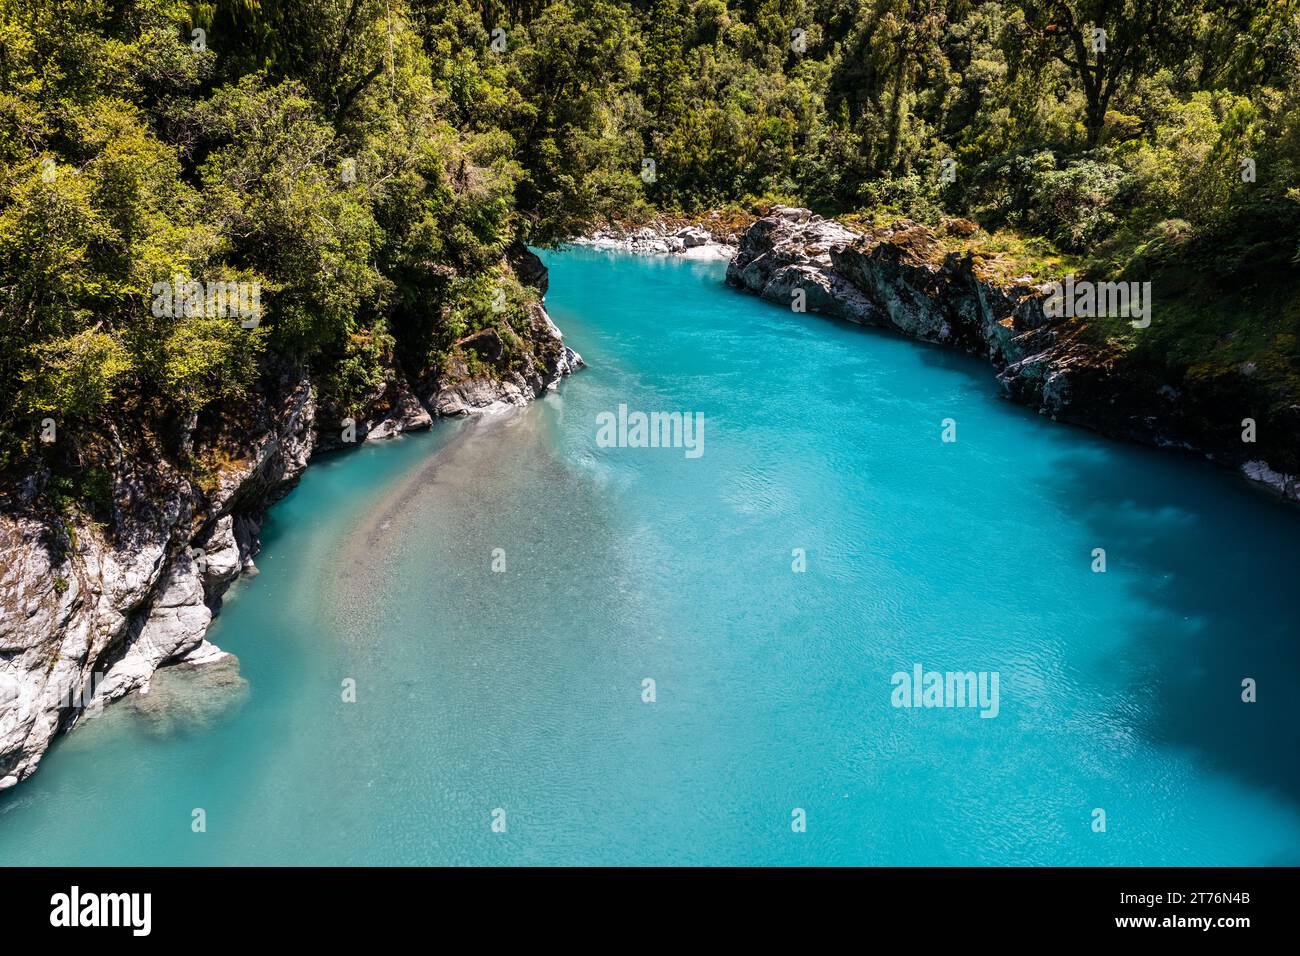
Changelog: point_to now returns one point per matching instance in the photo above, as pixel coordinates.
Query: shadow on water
(978, 371)
(1214, 563)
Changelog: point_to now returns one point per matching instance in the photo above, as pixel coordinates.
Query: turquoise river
(522, 690)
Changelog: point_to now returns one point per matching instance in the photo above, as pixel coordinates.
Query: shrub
(74, 376)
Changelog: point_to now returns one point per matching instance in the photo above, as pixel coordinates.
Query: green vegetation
(306, 150)
(368, 165)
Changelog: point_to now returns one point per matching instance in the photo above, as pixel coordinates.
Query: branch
(356, 90)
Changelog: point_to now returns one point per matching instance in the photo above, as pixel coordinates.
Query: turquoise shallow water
(522, 690)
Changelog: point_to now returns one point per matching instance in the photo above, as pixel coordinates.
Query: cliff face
(90, 607)
(901, 278)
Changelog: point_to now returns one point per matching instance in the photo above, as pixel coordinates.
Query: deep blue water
(522, 690)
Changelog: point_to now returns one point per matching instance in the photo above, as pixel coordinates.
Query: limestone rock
(87, 616)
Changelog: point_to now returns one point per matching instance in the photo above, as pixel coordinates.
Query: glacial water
(522, 690)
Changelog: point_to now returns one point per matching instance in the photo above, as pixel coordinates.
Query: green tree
(1107, 44)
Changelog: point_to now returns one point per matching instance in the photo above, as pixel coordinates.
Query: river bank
(906, 278)
(91, 606)
(708, 236)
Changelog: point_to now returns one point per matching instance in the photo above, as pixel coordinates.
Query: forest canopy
(367, 165)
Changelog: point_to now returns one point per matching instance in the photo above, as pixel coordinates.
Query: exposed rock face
(90, 611)
(406, 414)
(459, 391)
(86, 617)
(392, 409)
(901, 278)
(528, 267)
(788, 253)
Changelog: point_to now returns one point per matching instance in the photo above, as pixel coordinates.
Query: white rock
(1288, 486)
(72, 628)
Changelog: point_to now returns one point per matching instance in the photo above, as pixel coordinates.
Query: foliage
(73, 375)
(369, 164)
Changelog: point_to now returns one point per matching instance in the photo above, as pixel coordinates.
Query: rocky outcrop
(391, 409)
(91, 608)
(707, 239)
(405, 414)
(786, 257)
(88, 615)
(906, 278)
(463, 387)
(528, 267)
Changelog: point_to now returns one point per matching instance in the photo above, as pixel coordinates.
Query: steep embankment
(905, 278)
(91, 607)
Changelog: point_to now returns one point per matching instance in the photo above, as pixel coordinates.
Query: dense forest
(369, 165)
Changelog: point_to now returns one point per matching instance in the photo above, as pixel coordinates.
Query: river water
(497, 595)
